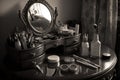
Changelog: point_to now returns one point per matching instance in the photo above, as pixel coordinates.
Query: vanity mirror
(27, 47)
(38, 16)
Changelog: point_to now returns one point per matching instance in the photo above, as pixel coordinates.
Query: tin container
(24, 58)
(31, 63)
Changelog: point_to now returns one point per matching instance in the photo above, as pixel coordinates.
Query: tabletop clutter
(31, 53)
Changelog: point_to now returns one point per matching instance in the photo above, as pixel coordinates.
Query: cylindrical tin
(24, 59)
(32, 62)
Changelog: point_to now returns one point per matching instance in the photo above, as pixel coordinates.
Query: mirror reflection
(39, 17)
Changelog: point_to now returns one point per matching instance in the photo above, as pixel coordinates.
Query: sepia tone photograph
(59, 40)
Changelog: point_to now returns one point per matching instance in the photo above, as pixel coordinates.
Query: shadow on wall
(67, 9)
(8, 21)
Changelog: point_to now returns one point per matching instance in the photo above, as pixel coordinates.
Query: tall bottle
(95, 48)
(85, 46)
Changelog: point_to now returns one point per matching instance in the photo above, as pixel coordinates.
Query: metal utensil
(39, 68)
(85, 61)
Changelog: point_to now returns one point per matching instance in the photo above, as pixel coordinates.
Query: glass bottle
(95, 48)
(85, 46)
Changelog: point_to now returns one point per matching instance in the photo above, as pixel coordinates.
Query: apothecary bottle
(85, 46)
(95, 48)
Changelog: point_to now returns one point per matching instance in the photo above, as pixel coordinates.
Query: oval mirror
(39, 17)
(38, 14)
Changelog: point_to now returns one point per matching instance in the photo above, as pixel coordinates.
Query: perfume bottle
(95, 48)
(85, 46)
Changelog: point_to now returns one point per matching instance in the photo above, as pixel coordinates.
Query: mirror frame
(25, 16)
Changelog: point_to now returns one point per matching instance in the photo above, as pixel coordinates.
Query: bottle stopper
(96, 28)
(85, 37)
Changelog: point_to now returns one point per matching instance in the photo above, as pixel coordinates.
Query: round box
(25, 58)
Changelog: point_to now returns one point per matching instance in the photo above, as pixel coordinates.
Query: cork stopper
(96, 28)
(85, 37)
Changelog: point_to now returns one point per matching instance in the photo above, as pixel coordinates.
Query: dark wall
(67, 9)
(105, 14)
(8, 20)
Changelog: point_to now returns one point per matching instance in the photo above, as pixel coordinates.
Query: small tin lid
(73, 67)
(106, 55)
(53, 59)
(64, 67)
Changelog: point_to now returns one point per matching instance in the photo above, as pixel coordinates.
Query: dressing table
(105, 72)
(31, 58)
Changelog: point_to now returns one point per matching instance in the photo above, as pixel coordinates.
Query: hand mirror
(38, 15)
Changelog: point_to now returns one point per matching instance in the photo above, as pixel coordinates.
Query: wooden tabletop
(84, 72)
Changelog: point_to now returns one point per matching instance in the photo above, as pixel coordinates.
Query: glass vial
(85, 46)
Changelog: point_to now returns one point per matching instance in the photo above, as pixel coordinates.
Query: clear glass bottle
(95, 48)
(85, 46)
